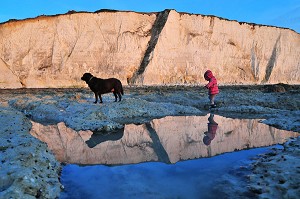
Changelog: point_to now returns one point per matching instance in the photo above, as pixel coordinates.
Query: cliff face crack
(157, 146)
(52, 49)
(254, 63)
(13, 72)
(272, 61)
(61, 138)
(155, 32)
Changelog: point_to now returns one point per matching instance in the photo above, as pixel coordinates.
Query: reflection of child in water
(212, 127)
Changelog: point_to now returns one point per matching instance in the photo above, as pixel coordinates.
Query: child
(212, 87)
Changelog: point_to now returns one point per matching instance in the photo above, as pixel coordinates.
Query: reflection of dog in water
(99, 137)
(212, 127)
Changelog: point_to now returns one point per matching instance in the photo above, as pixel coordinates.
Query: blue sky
(282, 13)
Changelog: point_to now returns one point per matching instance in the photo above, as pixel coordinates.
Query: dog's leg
(116, 97)
(120, 96)
(96, 97)
(100, 98)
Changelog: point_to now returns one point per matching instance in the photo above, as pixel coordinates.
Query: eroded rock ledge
(163, 48)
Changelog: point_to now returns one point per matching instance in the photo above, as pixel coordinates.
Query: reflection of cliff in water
(169, 140)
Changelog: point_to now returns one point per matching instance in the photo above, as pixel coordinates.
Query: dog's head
(86, 77)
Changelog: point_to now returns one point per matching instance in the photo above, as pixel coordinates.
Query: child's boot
(213, 106)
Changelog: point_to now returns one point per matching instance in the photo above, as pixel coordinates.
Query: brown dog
(101, 86)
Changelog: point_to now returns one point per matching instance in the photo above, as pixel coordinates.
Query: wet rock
(19, 177)
(279, 88)
(256, 189)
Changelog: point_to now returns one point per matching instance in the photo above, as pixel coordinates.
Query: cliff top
(70, 12)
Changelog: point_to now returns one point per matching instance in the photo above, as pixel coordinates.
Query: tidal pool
(171, 157)
(191, 179)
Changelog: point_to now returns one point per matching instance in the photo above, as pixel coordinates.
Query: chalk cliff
(161, 48)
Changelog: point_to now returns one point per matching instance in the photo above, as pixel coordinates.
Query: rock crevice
(272, 60)
(156, 30)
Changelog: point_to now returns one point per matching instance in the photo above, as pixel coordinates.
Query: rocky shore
(29, 169)
(276, 174)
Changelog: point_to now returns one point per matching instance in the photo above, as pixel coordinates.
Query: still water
(171, 157)
(198, 178)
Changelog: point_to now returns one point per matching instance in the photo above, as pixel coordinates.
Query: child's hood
(208, 74)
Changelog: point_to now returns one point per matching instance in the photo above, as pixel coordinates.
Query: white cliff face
(237, 53)
(145, 49)
(56, 51)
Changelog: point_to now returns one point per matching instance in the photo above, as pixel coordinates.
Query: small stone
(256, 189)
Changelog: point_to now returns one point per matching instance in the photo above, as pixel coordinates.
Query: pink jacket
(212, 86)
